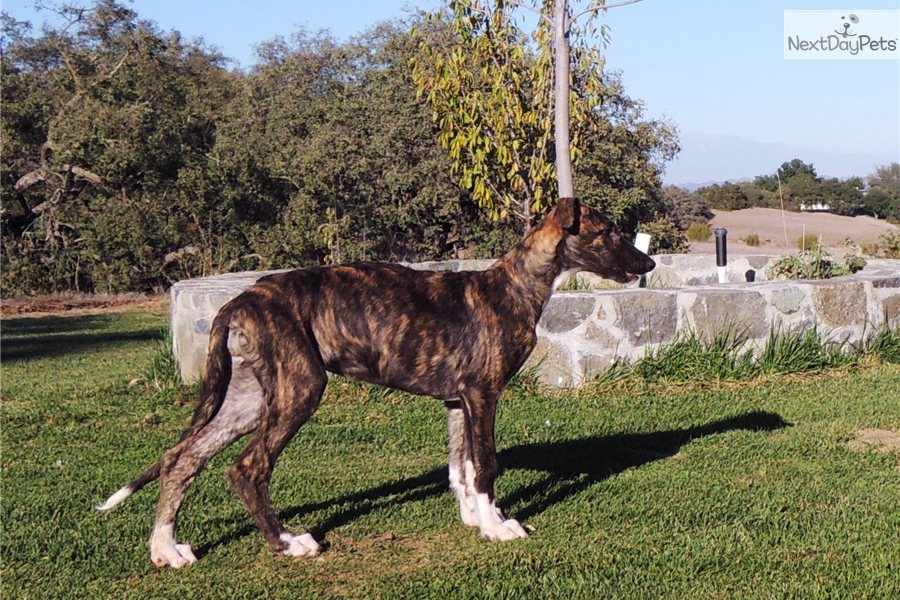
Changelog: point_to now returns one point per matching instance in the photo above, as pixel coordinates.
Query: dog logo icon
(853, 20)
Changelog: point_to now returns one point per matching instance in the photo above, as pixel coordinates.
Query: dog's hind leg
(239, 415)
(299, 381)
(459, 457)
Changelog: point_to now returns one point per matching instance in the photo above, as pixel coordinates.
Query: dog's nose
(649, 265)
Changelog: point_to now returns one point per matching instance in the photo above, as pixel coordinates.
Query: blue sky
(713, 67)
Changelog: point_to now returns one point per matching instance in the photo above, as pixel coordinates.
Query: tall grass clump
(798, 351)
(726, 356)
(885, 346)
(162, 374)
(692, 356)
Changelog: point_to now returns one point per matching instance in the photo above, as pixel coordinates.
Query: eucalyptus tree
(507, 98)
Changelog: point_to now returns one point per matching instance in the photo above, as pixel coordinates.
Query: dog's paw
(503, 531)
(166, 552)
(300, 545)
(493, 525)
(172, 555)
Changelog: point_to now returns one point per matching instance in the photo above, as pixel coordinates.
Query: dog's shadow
(570, 466)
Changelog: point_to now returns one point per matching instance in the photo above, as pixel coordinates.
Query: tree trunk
(561, 99)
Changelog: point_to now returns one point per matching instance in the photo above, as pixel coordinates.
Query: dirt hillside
(768, 225)
(72, 303)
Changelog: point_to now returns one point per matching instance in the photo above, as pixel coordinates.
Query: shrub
(869, 248)
(809, 241)
(752, 240)
(887, 246)
(698, 232)
(854, 263)
(817, 263)
(727, 196)
(890, 244)
(686, 207)
(664, 237)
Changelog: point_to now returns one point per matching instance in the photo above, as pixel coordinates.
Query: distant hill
(707, 159)
(772, 226)
(694, 185)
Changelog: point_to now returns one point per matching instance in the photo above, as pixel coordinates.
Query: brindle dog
(456, 336)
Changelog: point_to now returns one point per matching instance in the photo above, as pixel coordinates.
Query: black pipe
(721, 249)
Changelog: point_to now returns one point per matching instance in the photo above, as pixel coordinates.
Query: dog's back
(387, 324)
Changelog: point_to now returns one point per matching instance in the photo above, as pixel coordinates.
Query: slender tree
(563, 23)
(505, 99)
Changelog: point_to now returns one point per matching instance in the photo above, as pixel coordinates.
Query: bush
(869, 248)
(728, 196)
(817, 263)
(887, 246)
(320, 153)
(854, 263)
(809, 241)
(889, 243)
(698, 232)
(752, 240)
(664, 237)
(685, 207)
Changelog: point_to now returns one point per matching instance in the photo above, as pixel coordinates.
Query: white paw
(509, 529)
(165, 551)
(300, 545)
(175, 556)
(492, 524)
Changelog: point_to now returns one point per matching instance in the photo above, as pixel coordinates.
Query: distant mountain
(693, 185)
(716, 158)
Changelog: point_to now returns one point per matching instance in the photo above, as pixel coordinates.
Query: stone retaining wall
(582, 332)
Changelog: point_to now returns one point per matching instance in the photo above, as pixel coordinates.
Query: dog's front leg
(480, 410)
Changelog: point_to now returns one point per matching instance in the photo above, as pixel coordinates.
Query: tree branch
(38, 175)
(597, 8)
(30, 179)
(531, 9)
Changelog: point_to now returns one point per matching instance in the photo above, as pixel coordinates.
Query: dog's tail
(215, 386)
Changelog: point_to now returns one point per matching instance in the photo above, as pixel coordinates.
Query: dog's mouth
(624, 277)
(627, 277)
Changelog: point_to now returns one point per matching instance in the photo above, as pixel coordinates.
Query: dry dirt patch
(70, 303)
(767, 224)
(882, 440)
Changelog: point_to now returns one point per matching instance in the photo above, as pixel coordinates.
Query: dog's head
(592, 242)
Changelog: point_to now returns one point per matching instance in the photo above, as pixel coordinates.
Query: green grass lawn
(635, 491)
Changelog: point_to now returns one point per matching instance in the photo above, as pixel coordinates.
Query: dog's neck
(532, 266)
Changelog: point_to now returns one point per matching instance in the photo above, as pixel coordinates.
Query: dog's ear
(567, 213)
